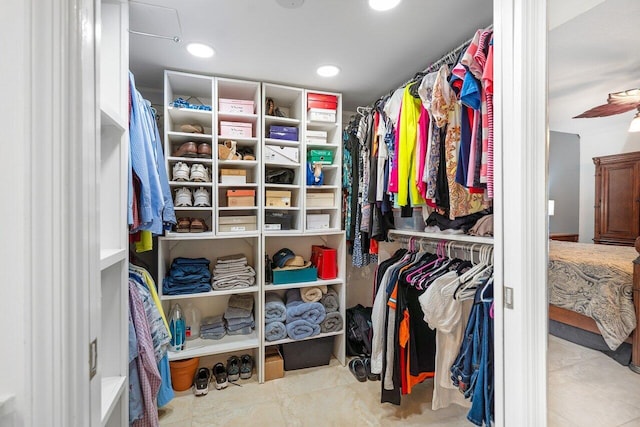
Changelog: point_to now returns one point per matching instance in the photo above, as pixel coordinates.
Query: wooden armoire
(617, 202)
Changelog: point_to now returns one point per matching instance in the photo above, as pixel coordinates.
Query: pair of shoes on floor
(201, 197)
(201, 382)
(191, 225)
(360, 367)
(192, 149)
(197, 172)
(229, 150)
(237, 368)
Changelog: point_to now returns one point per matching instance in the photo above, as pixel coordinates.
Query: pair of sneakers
(237, 368)
(201, 197)
(197, 172)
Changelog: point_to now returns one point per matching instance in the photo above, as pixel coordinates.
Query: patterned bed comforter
(595, 280)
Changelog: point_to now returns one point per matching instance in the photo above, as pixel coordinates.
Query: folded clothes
(313, 312)
(187, 276)
(330, 301)
(243, 331)
(332, 323)
(274, 308)
(170, 287)
(274, 331)
(233, 283)
(313, 293)
(231, 259)
(299, 329)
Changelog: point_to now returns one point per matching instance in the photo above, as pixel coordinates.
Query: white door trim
(521, 210)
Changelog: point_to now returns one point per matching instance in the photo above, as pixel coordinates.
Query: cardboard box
(281, 155)
(322, 115)
(282, 277)
(237, 223)
(241, 198)
(320, 200)
(316, 137)
(280, 199)
(233, 176)
(318, 221)
(288, 133)
(238, 106)
(320, 100)
(277, 220)
(273, 364)
(236, 129)
(324, 157)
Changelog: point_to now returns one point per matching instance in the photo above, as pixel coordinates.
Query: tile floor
(586, 388)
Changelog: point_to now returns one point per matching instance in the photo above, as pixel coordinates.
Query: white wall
(600, 137)
(564, 182)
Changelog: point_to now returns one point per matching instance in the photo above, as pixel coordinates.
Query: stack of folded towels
(232, 272)
(303, 319)
(333, 320)
(187, 276)
(213, 327)
(239, 315)
(275, 314)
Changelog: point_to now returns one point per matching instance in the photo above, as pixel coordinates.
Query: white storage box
(281, 155)
(240, 106)
(316, 137)
(233, 176)
(237, 223)
(322, 115)
(317, 221)
(236, 129)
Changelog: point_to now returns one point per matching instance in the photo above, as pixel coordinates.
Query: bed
(597, 288)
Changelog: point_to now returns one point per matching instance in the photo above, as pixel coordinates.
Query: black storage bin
(307, 353)
(278, 217)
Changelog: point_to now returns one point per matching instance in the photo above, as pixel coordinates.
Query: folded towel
(274, 308)
(313, 293)
(330, 301)
(243, 301)
(313, 312)
(213, 329)
(331, 323)
(232, 329)
(274, 331)
(216, 320)
(212, 336)
(231, 259)
(299, 329)
(240, 320)
(234, 313)
(242, 331)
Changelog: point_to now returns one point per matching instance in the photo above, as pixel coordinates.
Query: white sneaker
(201, 197)
(199, 173)
(181, 172)
(183, 197)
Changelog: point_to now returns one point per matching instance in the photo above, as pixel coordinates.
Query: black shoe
(233, 368)
(357, 368)
(367, 366)
(202, 382)
(220, 373)
(246, 366)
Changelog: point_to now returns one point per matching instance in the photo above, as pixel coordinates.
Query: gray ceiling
(260, 40)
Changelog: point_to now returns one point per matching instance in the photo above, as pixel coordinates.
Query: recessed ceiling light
(200, 50)
(328, 70)
(290, 4)
(383, 5)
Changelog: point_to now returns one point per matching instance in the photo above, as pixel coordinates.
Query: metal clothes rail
(471, 248)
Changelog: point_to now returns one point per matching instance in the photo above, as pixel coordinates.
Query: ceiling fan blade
(606, 110)
(631, 96)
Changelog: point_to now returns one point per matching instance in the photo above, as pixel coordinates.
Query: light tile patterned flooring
(586, 389)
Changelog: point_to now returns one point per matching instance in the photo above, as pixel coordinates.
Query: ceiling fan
(617, 103)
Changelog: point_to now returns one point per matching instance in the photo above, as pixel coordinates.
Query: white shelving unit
(109, 324)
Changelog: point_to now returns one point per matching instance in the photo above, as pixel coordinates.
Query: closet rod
(444, 58)
(462, 249)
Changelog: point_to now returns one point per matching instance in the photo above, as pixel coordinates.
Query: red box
(326, 261)
(318, 100)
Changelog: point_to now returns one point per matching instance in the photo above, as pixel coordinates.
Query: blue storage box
(288, 133)
(282, 277)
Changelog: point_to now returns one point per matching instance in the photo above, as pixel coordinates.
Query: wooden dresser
(617, 201)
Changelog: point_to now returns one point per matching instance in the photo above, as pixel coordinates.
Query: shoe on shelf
(220, 374)
(227, 151)
(246, 153)
(201, 382)
(198, 226)
(192, 128)
(246, 366)
(183, 197)
(199, 173)
(183, 225)
(188, 149)
(201, 197)
(181, 172)
(204, 150)
(233, 368)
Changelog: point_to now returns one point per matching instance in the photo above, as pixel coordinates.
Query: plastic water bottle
(192, 316)
(177, 328)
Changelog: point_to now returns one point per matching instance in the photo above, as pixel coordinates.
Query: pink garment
(468, 58)
(481, 59)
(487, 80)
(421, 152)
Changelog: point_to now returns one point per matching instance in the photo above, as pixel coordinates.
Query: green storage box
(324, 157)
(282, 277)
